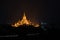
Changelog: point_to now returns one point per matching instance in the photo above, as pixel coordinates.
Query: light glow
(24, 21)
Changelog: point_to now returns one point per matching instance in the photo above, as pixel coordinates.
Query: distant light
(37, 25)
(43, 23)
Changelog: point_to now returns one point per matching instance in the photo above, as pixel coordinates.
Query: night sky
(36, 10)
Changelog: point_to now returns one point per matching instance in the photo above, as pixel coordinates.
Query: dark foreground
(28, 33)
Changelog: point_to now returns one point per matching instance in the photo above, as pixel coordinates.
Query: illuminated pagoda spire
(23, 21)
(24, 16)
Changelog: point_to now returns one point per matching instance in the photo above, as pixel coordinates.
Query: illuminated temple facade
(24, 21)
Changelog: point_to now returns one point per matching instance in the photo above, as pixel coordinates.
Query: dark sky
(36, 11)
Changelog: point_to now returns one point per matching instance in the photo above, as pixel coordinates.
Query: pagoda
(24, 21)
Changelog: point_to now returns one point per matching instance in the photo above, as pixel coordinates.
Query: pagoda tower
(24, 21)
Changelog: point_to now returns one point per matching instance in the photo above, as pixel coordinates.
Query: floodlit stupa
(24, 21)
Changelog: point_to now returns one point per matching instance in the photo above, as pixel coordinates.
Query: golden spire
(24, 16)
(24, 20)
